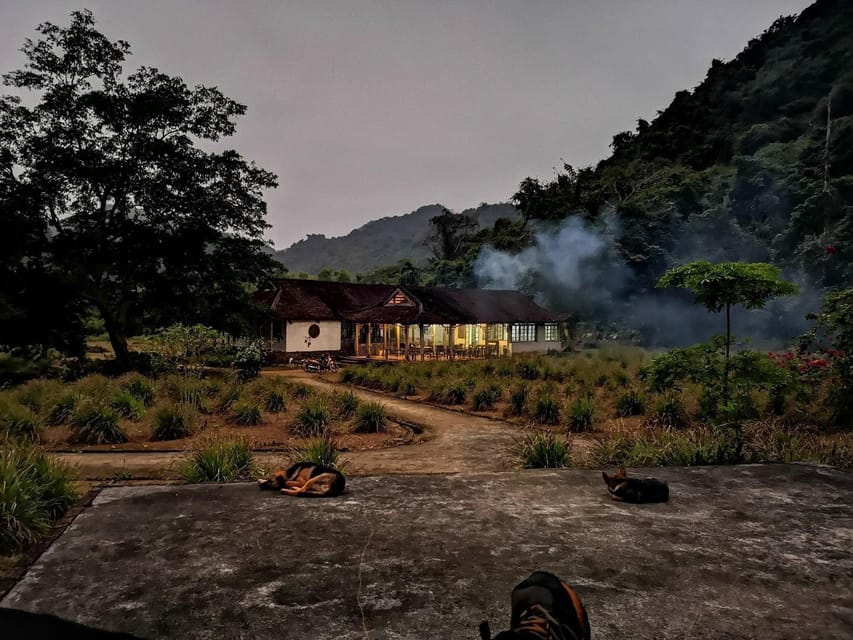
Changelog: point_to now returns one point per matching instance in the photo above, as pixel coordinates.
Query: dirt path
(458, 442)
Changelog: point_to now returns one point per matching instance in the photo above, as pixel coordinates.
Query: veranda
(432, 341)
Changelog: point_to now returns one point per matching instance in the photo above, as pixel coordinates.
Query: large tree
(116, 193)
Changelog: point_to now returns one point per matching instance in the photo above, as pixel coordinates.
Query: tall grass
(35, 490)
(96, 424)
(61, 410)
(322, 450)
(581, 415)
(128, 405)
(371, 418)
(543, 450)
(18, 421)
(547, 409)
(173, 422)
(346, 403)
(314, 417)
(218, 461)
(485, 397)
(246, 414)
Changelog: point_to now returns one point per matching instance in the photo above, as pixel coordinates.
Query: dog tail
(485, 630)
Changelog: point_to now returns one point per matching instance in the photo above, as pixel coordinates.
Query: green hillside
(755, 163)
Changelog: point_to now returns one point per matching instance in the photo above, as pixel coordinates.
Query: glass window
(524, 333)
(495, 332)
(552, 332)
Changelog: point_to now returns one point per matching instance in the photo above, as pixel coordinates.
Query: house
(389, 321)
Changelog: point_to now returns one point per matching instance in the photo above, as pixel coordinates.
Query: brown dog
(306, 479)
(543, 608)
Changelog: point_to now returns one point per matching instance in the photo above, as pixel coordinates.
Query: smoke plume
(577, 268)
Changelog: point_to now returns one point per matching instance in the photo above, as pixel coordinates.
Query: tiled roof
(321, 300)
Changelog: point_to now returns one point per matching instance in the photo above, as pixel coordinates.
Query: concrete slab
(753, 552)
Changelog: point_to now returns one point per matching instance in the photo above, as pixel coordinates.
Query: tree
(721, 286)
(146, 226)
(451, 234)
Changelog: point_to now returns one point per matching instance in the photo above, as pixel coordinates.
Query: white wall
(297, 331)
(541, 345)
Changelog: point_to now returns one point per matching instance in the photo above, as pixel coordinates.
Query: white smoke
(576, 267)
(559, 256)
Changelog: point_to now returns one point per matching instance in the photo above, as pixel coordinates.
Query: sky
(373, 108)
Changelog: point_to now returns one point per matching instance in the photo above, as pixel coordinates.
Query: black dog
(23, 625)
(543, 608)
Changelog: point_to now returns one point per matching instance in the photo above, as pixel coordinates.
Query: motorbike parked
(316, 365)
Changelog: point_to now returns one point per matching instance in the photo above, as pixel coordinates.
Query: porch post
(397, 335)
(452, 341)
(369, 340)
(385, 339)
(356, 329)
(406, 356)
(421, 331)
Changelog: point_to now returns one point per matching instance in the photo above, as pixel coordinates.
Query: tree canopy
(114, 193)
(717, 286)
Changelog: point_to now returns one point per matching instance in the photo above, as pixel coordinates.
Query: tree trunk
(728, 348)
(118, 339)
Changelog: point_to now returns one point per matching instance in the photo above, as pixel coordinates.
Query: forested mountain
(380, 242)
(755, 163)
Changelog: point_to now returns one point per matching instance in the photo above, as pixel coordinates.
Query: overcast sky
(367, 109)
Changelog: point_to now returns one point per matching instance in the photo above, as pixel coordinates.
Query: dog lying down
(626, 489)
(306, 479)
(543, 608)
(23, 625)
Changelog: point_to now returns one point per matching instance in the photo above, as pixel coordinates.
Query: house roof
(321, 300)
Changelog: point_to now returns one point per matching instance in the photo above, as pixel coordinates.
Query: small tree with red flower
(834, 326)
(722, 286)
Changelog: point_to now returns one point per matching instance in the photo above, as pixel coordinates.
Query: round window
(314, 330)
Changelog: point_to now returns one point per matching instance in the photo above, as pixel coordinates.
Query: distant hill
(380, 242)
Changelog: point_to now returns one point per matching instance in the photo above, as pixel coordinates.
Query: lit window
(524, 333)
(552, 333)
(495, 332)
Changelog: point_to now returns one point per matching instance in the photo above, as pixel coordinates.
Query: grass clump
(35, 490)
(274, 401)
(246, 414)
(96, 424)
(543, 450)
(451, 394)
(173, 422)
(547, 409)
(346, 403)
(321, 450)
(140, 388)
(669, 412)
(218, 461)
(518, 399)
(582, 414)
(18, 421)
(485, 397)
(314, 417)
(127, 405)
(36, 395)
(61, 410)
(371, 418)
(630, 403)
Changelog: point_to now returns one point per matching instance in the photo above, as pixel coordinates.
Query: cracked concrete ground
(755, 552)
